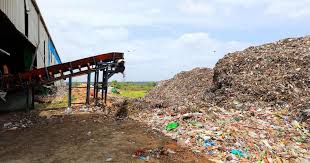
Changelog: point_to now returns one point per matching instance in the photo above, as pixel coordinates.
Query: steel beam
(96, 86)
(70, 92)
(73, 65)
(4, 52)
(102, 85)
(97, 83)
(43, 74)
(95, 80)
(88, 88)
(106, 86)
(104, 62)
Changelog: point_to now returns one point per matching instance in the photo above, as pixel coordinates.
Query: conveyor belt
(62, 71)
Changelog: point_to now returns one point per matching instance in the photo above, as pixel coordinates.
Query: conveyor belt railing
(108, 64)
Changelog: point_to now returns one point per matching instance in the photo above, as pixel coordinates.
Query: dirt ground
(86, 138)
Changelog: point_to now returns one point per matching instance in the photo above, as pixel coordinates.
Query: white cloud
(212, 13)
(194, 7)
(161, 58)
(112, 34)
(298, 9)
(155, 11)
(165, 37)
(153, 59)
(241, 3)
(250, 13)
(194, 37)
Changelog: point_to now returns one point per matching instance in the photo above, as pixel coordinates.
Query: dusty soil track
(86, 138)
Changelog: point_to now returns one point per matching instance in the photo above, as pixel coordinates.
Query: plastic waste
(237, 152)
(142, 158)
(296, 124)
(2, 95)
(109, 159)
(172, 125)
(253, 102)
(68, 110)
(208, 143)
(115, 91)
(7, 125)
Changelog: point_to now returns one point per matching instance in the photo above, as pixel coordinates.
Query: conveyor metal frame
(108, 64)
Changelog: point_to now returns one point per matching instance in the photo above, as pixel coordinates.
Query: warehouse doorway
(15, 57)
(16, 49)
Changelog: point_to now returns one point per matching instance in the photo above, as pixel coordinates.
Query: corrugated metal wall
(15, 10)
(42, 56)
(37, 33)
(33, 28)
(53, 56)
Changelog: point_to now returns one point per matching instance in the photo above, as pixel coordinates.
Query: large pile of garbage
(185, 91)
(277, 74)
(255, 107)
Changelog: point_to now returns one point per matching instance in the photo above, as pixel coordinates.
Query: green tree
(153, 84)
(115, 84)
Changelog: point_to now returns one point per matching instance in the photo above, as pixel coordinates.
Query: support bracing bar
(109, 63)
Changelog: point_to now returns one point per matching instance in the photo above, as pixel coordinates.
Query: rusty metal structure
(25, 45)
(107, 64)
(25, 36)
(29, 59)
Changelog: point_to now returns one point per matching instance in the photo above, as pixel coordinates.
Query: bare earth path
(87, 138)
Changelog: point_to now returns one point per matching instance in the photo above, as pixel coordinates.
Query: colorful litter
(252, 106)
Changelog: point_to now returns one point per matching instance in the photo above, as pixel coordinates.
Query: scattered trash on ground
(109, 159)
(156, 153)
(3, 95)
(253, 108)
(20, 121)
(172, 125)
(237, 153)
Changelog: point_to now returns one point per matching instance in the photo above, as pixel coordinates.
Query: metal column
(70, 92)
(95, 76)
(105, 85)
(96, 86)
(88, 88)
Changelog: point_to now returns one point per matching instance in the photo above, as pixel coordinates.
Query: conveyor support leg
(88, 88)
(70, 92)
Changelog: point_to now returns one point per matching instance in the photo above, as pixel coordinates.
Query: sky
(161, 38)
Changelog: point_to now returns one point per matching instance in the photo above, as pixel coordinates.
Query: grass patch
(133, 89)
(133, 94)
(58, 102)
